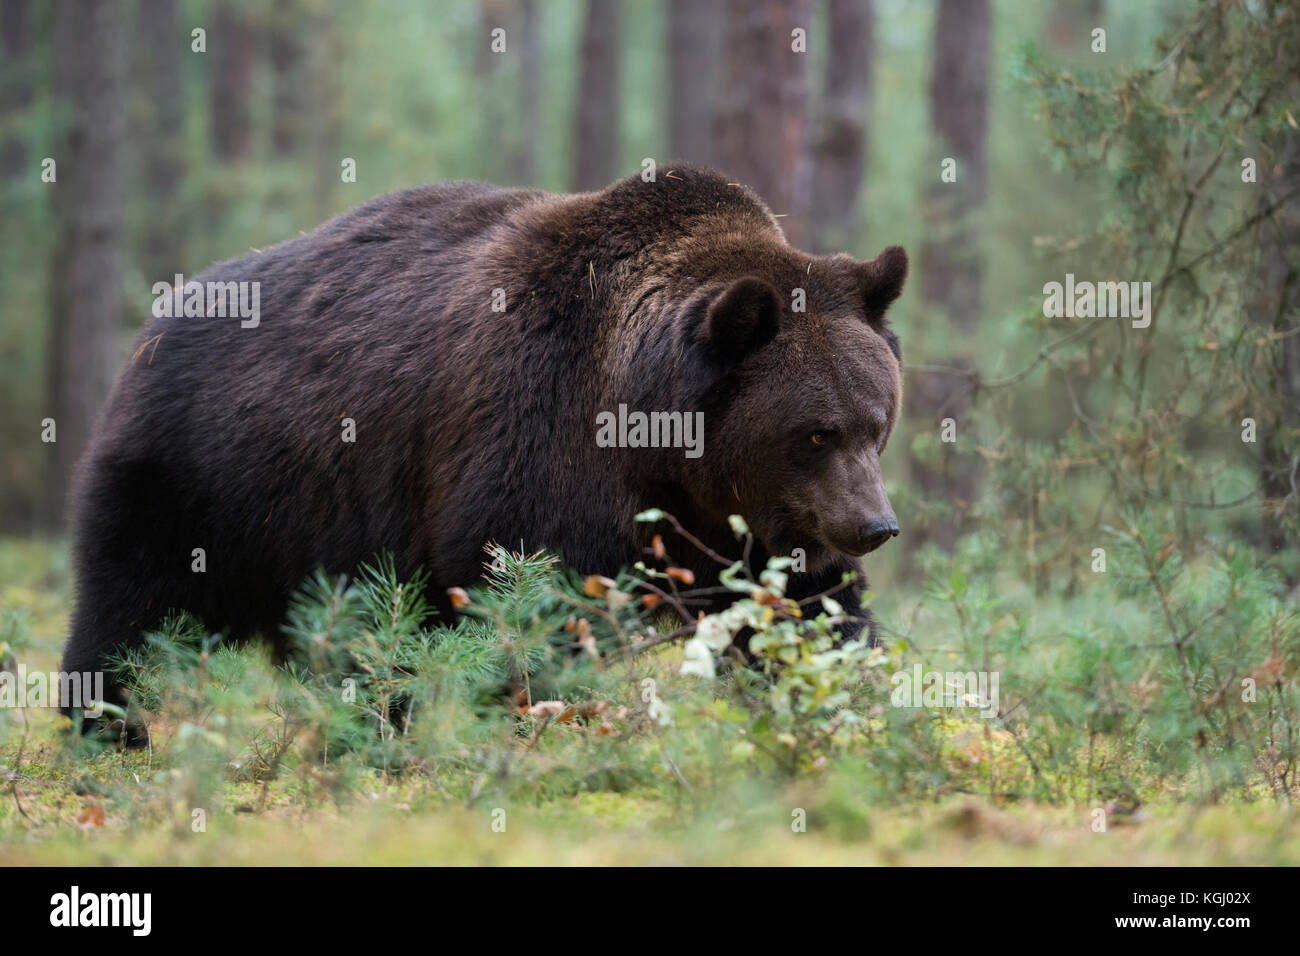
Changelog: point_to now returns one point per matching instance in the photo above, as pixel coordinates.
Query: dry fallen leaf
(545, 708)
(586, 640)
(459, 598)
(685, 575)
(565, 713)
(92, 816)
(1270, 672)
(596, 585)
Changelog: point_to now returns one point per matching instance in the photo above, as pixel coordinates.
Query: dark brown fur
(476, 426)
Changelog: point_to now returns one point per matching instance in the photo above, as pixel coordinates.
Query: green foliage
(1157, 413)
(1134, 576)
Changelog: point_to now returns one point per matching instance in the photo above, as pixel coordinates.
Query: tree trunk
(290, 92)
(839, 147)
(231, 44)
(509, 80)
(159, 136)
(1070, 25)
(15, 84)
(86, 279)
(1276, 308)
(959, 98)
(523, 164)
(951, 266)
(596, 158)
(759, 126)
(494, 133)
(325, 98)
(694, 44)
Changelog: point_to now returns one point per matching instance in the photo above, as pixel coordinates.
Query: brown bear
(457, 364)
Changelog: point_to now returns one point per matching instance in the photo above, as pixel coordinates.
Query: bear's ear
(743, 318)
(881, 281)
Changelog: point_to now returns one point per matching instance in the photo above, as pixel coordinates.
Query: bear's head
(805, 388)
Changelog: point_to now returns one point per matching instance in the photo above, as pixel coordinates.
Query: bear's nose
(875, 533)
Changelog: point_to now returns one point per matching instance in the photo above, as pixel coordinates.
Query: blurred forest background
(168, 159)
(1115, 526)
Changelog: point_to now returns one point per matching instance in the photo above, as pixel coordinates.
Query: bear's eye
(819, 438)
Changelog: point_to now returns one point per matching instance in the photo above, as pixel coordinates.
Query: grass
(58, 807)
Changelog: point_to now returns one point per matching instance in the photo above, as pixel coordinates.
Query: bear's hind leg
(131, 568)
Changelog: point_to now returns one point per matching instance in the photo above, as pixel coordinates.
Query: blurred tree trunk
(959, 100)
(759, 125)
(596, 148)
(86, 275)
(15, 84)
(231, 42)
(694, 35)
(322, 134)
(839, 146)
(158, 145)
(490, 69)
(523, 161)
(289, 31)
(1070, 24)
(509, 79)
(951, 264)
(1277, 309)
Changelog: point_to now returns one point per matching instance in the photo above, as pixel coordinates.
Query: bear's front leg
(804, 586)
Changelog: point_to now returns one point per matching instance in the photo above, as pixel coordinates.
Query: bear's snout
(875, 533)
(863, 535)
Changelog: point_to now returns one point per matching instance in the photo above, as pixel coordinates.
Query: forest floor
(58, 808)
